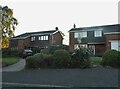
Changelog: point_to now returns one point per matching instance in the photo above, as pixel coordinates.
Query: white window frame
(33, 38)
(42, 37)
(39, 38)
(76, 35)
(46, 37)
(83, 34)
(98, 33)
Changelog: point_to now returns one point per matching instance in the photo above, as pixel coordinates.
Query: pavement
(15, 67)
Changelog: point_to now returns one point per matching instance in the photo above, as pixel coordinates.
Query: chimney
(56, 28)
(74, 26)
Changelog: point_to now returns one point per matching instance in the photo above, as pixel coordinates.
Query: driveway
(15, 67)
(64, 78)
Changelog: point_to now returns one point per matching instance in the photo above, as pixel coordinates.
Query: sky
(42, 15)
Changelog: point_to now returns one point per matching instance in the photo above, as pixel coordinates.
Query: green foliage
(52, 49)
(39, 60)
(80, 58)
(111, 58)
(8, 25)
(10, 52)
(9, 60)
(61, 58)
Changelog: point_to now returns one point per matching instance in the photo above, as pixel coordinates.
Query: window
(39, 38)
(76, 35)
(98, 33)
(80, 34)
(46, 37)
(33, 38)
(43, 38)
(83, 34)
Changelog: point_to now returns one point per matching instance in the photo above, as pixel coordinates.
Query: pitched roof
(92, 27)
(25, 35)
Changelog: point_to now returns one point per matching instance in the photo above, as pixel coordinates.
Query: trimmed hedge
(61, 58)
(39, 60)
(111, 58)
(10, 52)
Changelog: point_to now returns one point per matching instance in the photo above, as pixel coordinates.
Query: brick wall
(109, 37)
(57, 39)
(71, 41)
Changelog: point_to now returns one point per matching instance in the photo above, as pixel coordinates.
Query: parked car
(26, 53)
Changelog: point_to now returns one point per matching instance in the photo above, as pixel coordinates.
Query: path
(15, 67)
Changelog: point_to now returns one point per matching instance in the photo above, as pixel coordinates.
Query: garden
(9, 57)
(80, 58)
(59, 57)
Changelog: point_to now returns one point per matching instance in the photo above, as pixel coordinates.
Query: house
(99, 38)
(41, 39)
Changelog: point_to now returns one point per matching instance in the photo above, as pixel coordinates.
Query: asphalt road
(102, 78)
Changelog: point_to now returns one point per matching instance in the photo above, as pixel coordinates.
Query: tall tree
(8, 25)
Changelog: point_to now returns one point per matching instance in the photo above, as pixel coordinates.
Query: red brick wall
(109, 37)
(20, 44)
(57, 39)
(26, 42)
(71, 41)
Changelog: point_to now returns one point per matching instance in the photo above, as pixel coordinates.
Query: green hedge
(39, 60)
(61, 58)
(111, 58)
(10, 52)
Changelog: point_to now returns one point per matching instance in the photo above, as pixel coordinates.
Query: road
(62, 78)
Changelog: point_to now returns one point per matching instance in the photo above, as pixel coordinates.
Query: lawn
(9, 61)
(95, 60)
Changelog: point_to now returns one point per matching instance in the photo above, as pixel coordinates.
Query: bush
(39, 60)
(61, 58)
(10, 52)
(80, 58)
(111, 58)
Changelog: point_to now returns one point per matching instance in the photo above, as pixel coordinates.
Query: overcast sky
(34, 15)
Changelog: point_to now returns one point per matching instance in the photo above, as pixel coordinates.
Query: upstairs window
(76, 35)
(98, 33)
(33, 38)
(80, 34)
(43, 38)
(83, 34)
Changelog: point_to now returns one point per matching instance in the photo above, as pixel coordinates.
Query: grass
(95, 60)
(9, 60)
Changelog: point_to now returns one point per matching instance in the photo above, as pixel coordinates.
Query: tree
(8, 25)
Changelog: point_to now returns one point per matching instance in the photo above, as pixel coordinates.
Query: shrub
(80, 58)
(61, 58)
(39, 60)
(10, 52)
(53, 48)
(111, 58)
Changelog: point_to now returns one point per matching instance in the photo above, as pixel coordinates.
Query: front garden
(80, 58)
(9, 57)
(57, 57)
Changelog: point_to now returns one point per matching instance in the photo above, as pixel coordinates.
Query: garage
(115, 45)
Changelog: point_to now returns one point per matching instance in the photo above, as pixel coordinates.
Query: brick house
(41, 39)
(99, 38)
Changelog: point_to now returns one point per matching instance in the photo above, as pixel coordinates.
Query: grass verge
(9, 61)
(95, 60)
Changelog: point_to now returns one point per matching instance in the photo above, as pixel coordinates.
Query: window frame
(98, 34)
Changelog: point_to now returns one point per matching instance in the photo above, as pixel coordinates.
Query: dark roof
(92, 27)
(31, 33)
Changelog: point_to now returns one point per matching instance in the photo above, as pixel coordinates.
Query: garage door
(115, 45)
